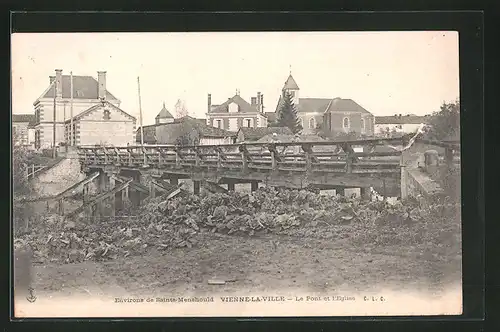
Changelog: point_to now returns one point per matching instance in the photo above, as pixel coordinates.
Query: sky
(385, 72)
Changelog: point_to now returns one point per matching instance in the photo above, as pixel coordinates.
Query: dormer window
(106, 115)
(79, 93)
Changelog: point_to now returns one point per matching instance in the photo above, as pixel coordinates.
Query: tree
(445, 122)
(287, 115)
(181, 109)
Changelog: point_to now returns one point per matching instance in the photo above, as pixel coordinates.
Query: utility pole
(140, 110)
(54, 153)
(71, 110)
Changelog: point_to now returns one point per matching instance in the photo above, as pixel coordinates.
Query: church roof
(290, 84)
(164, 113)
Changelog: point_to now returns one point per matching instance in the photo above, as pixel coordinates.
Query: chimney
(254, 101)
(262, 103)
(209, 102)
(59, 83)
(258, 102)
(101, 81)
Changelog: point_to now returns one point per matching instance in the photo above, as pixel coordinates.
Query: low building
(254, 134)
(387, 126)
(23, 129)
(185, 130)
(88, 102)
(236, 113)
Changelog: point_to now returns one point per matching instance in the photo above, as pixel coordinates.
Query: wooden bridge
(133, 173)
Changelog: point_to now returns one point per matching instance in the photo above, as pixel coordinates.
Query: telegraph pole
(140, 110)
(71, 110)
(54, 122)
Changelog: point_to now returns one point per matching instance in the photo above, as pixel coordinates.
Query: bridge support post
(113, 198)
(404, 189)
(254, 185)
(196, 187)
(366, 193)
(340, 191)
(230, 186)
(85, 192)
(61, 207)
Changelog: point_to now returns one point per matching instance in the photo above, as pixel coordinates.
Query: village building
(88, 114)
(254, 134)
(387, 126)
(236, 113)
(23, 130)
(185, 129)
(331, 115)
(164, 116)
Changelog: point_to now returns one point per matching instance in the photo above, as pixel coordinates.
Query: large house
(23, 130)
(236, 112)
(331, 115)
(86, 114)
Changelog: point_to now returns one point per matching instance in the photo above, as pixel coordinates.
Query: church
(330, 115)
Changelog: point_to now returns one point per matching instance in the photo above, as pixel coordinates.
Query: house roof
(271, 116)
(84, 87)
(403, 119)
(290, 84)
(259, 132)
(244, 106)
(321, 105)
(198, 125)
(164, 113)
(30, 118)
(98, 105)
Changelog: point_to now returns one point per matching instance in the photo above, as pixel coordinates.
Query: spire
(290, 70)
(290, 84)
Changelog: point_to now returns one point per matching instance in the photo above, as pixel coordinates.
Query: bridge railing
(355, 156)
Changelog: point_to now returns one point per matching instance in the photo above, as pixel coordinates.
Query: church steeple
(292, 88)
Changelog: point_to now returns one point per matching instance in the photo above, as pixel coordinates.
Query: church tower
(292, 88)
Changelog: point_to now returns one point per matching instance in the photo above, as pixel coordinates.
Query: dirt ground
(253, 265)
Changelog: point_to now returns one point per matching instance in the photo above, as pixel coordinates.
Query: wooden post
(243, 151)
(113, 198)
(219, 158)
(230, 186)
(33, 168)
(449, 157)
(177, 158)
(365, 193)
(85, 192)
(254, 185)
(152, 189)
(61, 207)
(196, 187)
(385, 191)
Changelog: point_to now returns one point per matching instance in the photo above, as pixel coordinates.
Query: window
(106, 115)
(79, 93)
(346, 123)
(363, 125)
(312, 123)
(301, 122)
(248, 123)
(292, 93)
(218, 123)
